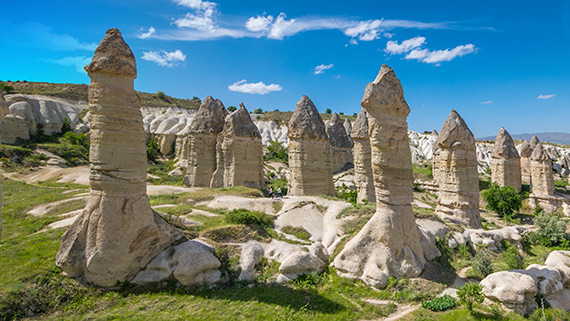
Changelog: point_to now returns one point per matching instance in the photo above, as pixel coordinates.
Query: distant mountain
(554, 138)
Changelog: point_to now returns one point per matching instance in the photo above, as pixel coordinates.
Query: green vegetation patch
(441, 303)
(243, 216)
(297, 231)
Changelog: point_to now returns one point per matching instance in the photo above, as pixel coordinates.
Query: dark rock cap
(209, 118)
(306, 123)
(539, 153)
(385, 95)
(239, 123)
(337, 133)
(455, 133)
(525, 150)
(360, 126)
(504, 145)
(113, 56)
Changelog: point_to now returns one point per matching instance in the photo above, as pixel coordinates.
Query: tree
(276, 151)
(6, 89)
(503, 200)
(258, 111)
(469, 294)
(231, 109)
(196, 99)
(328, 111)
(551, 229)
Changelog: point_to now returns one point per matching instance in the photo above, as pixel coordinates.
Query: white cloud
(438, 56)
(259, 23)
(202, 17)
(146, 35)
(365, 30)
(196, 4)
(78, 62)
(260, 88)
(164, 58)
(488, 102)
(39, 35)
(392, 47)
(545, 96)
(321, 68)
(282, 27)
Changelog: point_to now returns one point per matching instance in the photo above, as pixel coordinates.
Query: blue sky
(498, 63)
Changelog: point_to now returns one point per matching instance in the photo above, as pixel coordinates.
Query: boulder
(195, 264)
(363, 177)
(301, 263)
(455, 172)
(515, 289)
(561, 261)
(390, 244)
(506, 163)
(548, 277)
(251, 252)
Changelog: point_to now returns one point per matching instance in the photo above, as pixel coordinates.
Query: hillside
(78, 92)
(549, 137)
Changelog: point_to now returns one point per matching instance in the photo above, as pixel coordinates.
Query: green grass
(481, 314)
(297, 231)
(424, 171)
(161, 169)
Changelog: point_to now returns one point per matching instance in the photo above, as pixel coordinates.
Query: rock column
(341, 144)
(525, 151)
(3, 112)
(309, 152)
(363, 177)
(506, 162)
(241, 152)
(390, 243)
(542, 180)
(455, 173)
(118, 233)
(202, 139)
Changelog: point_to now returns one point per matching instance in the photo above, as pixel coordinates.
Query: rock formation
(506, 163)
(363, 178)
(525, 151)
(533, 142)
(347, 126)
(455, 172)
(309, 152)
(341, 144)
(542, 180)
(3, 113)
(240, 154)
(202, 139)
(390, 244)
(118, 233)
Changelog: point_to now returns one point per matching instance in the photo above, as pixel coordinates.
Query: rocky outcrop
(363, 177)
(525, 151)
(455, 172)
(533, 142)
(118, 233)
(506, 163)
(347, 127)
(202, 139)
(542, 180)
(3, 112)
(240, 156)
(341, 144)
(390, 244)
(310, 163)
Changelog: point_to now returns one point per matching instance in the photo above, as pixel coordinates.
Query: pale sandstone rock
(506, 163)
(301, 263)
(3, 112)
(455, 172)
(561, 261)
(533, 142)
(549, 278)
(341, 144)
(309, 152)
(363, 178)
(195, 264)
(347, 127)
(542, 180)
(560, 300)
(251, 252)
(202, 139)
(118, 233)
(515, 289)
(240, 156)
(390, 244)
(525, 151)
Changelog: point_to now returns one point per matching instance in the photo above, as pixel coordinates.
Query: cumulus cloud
(321, 68)
(259, 23)
(364, 30)
(260, 88)
(77, 62)
(392, 47)
(164, 58)
(545, 96)
(196, 4)
(438, 56)
(147, 34)
(488, 102)
(202, 17)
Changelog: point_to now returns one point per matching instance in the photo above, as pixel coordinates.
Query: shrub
(551, 230)
(482, 263)
(243, 216)
(152, 149)
(469, 294)
(276, 151)
(328, 111)
(66, 126)
(232, 109)
(350, 195)
(503, 200)
(441, 303)
(6, 89)
(512, 257)
(297, 231)
(258, 111)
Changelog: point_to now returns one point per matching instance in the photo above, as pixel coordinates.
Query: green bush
(551, 230)
(231, 109)
(512, 257)
(470, 294)
(258, 111)
(503, 200)
(328, 111)
(482, 263)
(348, 194)
(441, 303)
(66, 126)
(243, 216)
(6, 89)
(276, 151)
(152, 149)
(549, 315)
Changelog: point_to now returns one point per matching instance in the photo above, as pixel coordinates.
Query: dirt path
(402, 311)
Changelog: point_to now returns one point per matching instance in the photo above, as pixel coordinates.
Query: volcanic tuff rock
(542, 181)
(341, 143)
(347, 126)
(525, 151)
(118, 233)
(363, 177)
(390, 244)
(455, 172)
(3, 112)
(533, 142)
(516, 289)
(506, 164)
(309, 152)
(206, 125)
(240, 155)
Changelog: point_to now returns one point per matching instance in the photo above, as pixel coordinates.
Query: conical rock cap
(504, 145)
(306, 123)
(209, 118)
(239, 123)
(113, 56)
(454, 132)
(360, 126)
